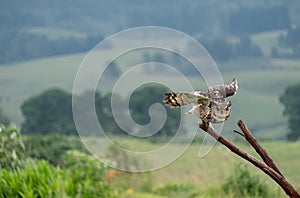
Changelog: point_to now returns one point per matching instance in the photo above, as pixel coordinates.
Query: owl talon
(204, 126)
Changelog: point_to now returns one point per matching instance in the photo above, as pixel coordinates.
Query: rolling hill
(256, 102)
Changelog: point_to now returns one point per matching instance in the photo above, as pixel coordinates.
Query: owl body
(210, 107)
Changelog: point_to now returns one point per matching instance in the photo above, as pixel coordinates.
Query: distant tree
(275, 53)
(219, 48)
(223, 50)
(143, 98)
(113, 70)
(291, 100)
(18, 45)
(291, 42)
(3, 119)
(249, 20)
(49, 112)
(245, 48)
(105, 115)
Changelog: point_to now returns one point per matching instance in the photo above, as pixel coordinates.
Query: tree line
(17, 45)
(222, 49)
(51, 111)
(289, 43)
(194, 18)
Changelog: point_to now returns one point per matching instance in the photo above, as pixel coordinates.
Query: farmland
(256, 102)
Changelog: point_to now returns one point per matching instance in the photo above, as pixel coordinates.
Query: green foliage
(140, 102)
(223, 50)
(104, 112)
(17, 45)
(242, 184)
(88, 173)
(51, 147)
(176, 190)
(11, 148)
(119, 156)
(247, 20)
(49, 112)
(291, 99)
(93, 169)
(235, 17)
(40, 179)
(36, 180)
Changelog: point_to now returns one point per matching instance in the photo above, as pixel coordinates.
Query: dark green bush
(51, 147)
(242, 184)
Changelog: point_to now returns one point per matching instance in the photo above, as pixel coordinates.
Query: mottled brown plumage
(210, 107)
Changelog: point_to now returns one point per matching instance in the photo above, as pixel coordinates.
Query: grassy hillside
(22, 80)
(267, 40)
(211, 171)
(256, 102)
(219, 163)
(54, 33)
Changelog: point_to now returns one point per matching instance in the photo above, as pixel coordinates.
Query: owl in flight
(210, 107)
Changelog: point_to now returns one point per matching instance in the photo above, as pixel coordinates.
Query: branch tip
(239, 133)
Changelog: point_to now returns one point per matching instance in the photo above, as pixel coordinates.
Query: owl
(209, 107)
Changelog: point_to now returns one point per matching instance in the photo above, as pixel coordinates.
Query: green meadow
(261, 82)
(218, 165)
(209, 172)
(244, 37)
(257, 101)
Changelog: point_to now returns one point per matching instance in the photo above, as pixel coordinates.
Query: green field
(211, 171)
(267, 40)
(79, 166)
(261, 81)
(54, 34)
(219, 163)
(256, 102)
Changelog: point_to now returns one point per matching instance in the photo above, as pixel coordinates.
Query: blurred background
(42, 44)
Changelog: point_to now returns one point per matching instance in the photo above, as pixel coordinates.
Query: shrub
(88, 173)
(40, 179)
(36, 180)
(51, 147)
(176, 190)
(11, 148)
(241, 184)
(91, 167)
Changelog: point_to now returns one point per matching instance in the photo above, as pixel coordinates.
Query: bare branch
(278, 178)
(261, 151)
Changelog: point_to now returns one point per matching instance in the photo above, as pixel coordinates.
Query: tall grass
(40, 179)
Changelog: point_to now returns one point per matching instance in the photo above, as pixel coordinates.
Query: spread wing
(179, 99)
(220, 92)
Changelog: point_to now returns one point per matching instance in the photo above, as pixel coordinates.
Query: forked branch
(269, 167)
